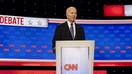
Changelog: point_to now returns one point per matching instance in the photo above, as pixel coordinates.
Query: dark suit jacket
(62, 32)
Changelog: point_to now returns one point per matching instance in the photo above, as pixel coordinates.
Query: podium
(74, 57)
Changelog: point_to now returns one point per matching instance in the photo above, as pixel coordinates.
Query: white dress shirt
(74, 27)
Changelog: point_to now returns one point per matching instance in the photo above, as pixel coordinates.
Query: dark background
(87, 9)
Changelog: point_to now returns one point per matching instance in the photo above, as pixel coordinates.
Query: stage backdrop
(26, 38)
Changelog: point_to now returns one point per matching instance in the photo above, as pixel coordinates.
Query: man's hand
(54, 50)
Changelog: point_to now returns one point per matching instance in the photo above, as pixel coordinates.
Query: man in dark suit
(68, 30)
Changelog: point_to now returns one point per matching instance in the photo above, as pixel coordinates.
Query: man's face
(71, 14)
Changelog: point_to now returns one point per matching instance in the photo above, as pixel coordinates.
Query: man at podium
(68, 30)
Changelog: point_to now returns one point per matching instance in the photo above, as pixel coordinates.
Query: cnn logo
(71, 67)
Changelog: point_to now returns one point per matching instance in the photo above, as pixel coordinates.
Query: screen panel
(112, 41)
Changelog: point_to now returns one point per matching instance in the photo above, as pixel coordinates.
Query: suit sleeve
(56, 37)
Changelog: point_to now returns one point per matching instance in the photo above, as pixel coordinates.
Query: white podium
(74, 57)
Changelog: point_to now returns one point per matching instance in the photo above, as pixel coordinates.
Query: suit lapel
(68, 30)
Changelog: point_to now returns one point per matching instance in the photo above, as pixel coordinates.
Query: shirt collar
(69, 23)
